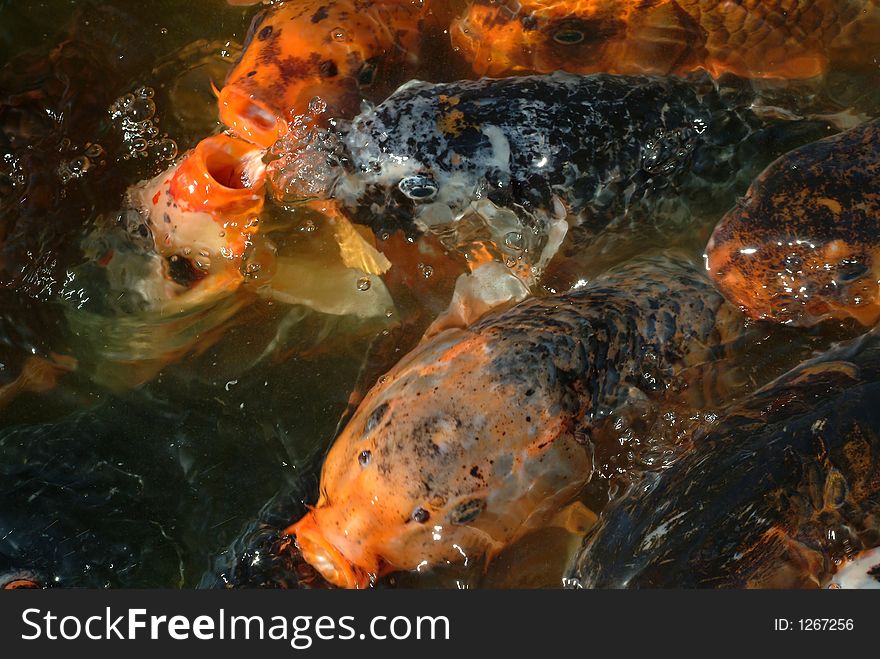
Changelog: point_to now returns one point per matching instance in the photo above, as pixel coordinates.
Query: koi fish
(482, 434)
(802, 245)
(520, 160)
(781, 492)
(768, 39)
(202, 212)
(333, 50)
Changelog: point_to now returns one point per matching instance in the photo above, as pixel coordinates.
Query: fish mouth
(223, 174)
(325, 557)
(250, 118)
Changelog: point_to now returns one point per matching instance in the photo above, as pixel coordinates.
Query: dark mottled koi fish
(781, 492)
(549, 151)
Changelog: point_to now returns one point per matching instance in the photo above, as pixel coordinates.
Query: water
(151, 463)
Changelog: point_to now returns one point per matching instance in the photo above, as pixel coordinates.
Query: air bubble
(166, 149)
(94, 150)
(364, 284)
(514, 240)
(426, 270)
(317, 106)
(338, 34)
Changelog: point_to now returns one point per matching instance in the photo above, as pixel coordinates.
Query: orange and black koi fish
(481, 434)
(334, 50)
(767, 39)
(802, 246)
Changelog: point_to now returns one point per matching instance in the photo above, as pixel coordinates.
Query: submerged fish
(333, 50)
(523, 158)
(767, 39)
(482, 434)
(783, 490)
(803, 246)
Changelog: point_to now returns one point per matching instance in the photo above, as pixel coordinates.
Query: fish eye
(418, 188)
(183, 271)
(420, 515)
(367, 75)
(568, 37)
(850, 270)
(364, 458)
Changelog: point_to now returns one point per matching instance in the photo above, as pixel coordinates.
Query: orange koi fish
(482, 434)
(335, 50)
(767, 39)
(202, 212)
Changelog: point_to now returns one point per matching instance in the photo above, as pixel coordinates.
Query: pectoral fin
(356, 251)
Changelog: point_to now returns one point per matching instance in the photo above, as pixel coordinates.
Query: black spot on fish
(528, 22)
(467, 511)
(328, 69)
(320, 15)
(374, 418)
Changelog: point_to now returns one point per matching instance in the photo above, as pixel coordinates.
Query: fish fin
(38, 375)
(575, 518)
(489, 287)
(356, 251)
(329, 286)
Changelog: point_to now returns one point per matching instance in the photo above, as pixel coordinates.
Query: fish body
(334, 50)
(539, 150)
(482, 434)
(802, 245)
(783, 490)
(768, 39)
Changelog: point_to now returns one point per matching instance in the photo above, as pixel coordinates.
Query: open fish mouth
(250, 118)
(325, 557)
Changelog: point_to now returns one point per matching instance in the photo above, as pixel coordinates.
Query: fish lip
(322, 555)
(250, 118)
(204, 179)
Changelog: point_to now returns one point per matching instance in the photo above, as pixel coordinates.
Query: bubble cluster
(303, 165)
(134, 114)
(79, 161)
(12, 174)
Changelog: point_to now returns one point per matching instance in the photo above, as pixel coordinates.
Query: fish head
(538, 35)
(798, 252)
(333, 50)
(443, 462)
